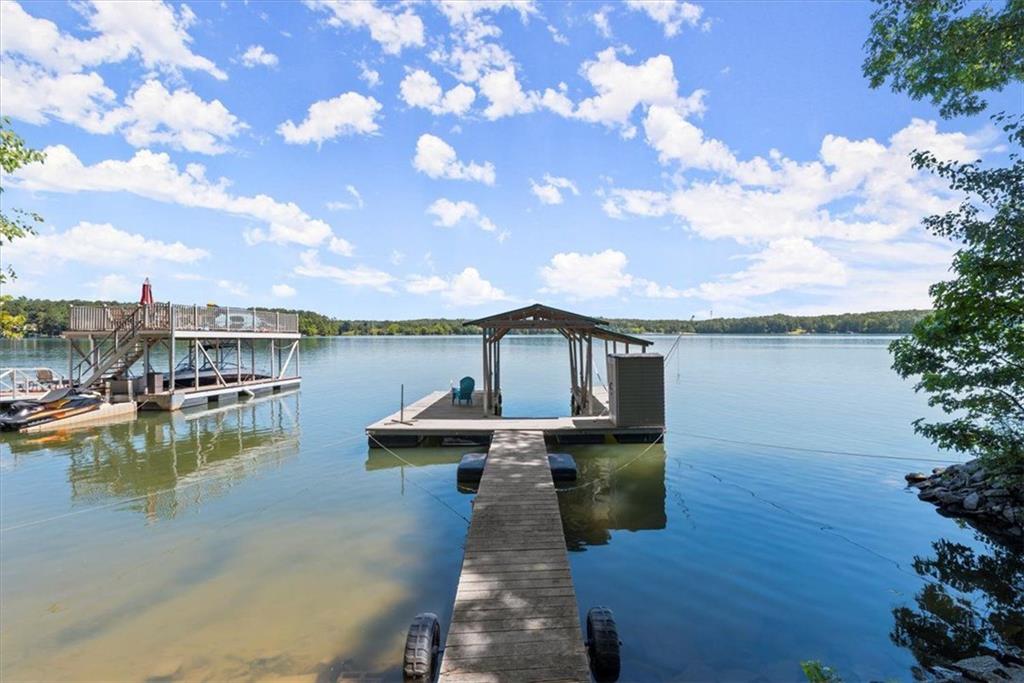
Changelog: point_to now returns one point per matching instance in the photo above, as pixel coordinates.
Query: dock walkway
(515, 616)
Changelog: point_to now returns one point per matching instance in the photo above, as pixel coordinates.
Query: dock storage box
(636, 389)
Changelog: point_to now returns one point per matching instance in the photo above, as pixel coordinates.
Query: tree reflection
(973, 604)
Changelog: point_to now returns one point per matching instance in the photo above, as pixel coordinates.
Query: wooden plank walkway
(515, 616)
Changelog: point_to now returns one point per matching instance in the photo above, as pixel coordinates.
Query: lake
(266, 542)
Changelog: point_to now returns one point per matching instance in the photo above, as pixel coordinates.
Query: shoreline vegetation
(49, 318)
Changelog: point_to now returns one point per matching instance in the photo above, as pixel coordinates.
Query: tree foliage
(50, 318)
(937, 49)
(971, 604)
(969, 353)
(14, 154)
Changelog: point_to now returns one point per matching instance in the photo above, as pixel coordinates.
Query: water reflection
(971, 605)
(619, 487)
(164, 464)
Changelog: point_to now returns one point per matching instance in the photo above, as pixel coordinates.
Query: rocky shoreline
(969, 492)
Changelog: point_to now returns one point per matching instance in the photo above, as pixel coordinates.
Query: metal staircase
(114, 354)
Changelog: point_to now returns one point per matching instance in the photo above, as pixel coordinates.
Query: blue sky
(649, 159)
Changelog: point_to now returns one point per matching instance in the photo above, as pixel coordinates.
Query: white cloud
(857, 191)
(506, 94)
(622, 87)
(420, 89)
(232, 287)
(112, 287)
(437, 159)
(257, 55)
(586, 276)
(179, 119)
(155, 33)
(360, 276)
(647, 203)
(419, 284)
(347, 114)
(98, 244)
(787, 263)
(397, 257)
(340, 246)
(451, 213)
(391, 28)
(557, 35)
(369, 76)
(551, 191)
(671, 14)
(600, 21)
(150, 115)
(154, 176)
(283, 291)
(34, 95)
(467, 288)
(357, 202)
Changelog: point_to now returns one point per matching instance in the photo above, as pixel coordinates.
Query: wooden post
(195, 359)
(484, 378)
(401, 405)
(238, 360)
(497, 377)
(272, 358)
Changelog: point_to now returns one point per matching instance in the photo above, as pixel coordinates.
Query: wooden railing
(167, 316)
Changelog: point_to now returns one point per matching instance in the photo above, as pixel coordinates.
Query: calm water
(265, 542)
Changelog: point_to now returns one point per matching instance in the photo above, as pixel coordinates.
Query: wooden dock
(434, 417)
(515, 617)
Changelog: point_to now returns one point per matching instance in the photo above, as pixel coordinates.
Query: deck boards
(515, 616)
(434, 415)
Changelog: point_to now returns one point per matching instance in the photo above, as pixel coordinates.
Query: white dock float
(515, 617)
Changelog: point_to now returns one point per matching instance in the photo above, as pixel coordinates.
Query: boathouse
(629, 409)
(167, 356)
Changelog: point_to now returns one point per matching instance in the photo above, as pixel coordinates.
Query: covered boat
(55, 405)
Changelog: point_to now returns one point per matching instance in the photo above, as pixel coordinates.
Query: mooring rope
(413, 481)
(657, 440)
(800, 449)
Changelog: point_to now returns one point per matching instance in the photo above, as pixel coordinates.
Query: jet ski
(55, 405)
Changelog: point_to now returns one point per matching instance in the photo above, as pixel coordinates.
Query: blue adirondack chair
(464, 392)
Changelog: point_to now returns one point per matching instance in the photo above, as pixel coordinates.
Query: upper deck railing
(179, 317)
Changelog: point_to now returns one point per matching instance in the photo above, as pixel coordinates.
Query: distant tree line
(45, 317)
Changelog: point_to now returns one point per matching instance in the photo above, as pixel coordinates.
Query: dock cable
(799, 449)
(660, 439)
(415, 483)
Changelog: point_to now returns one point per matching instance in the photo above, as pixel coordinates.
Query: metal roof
(541, 317)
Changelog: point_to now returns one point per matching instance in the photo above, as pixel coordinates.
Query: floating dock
(434, 419)
(515, 616)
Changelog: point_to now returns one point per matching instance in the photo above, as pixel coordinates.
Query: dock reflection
(164, 463)
(619, 488)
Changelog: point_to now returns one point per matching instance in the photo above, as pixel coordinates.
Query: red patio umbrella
(147, 293)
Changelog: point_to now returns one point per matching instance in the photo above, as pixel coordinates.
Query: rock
(996, 493)
(1008, 514)
(938, 470)
(924, 483)
(987, 669)
(165, 670)
(948, 498)
(971, 467)
(971, 501)
(931, 493)
(979, 476)
(914, 477)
